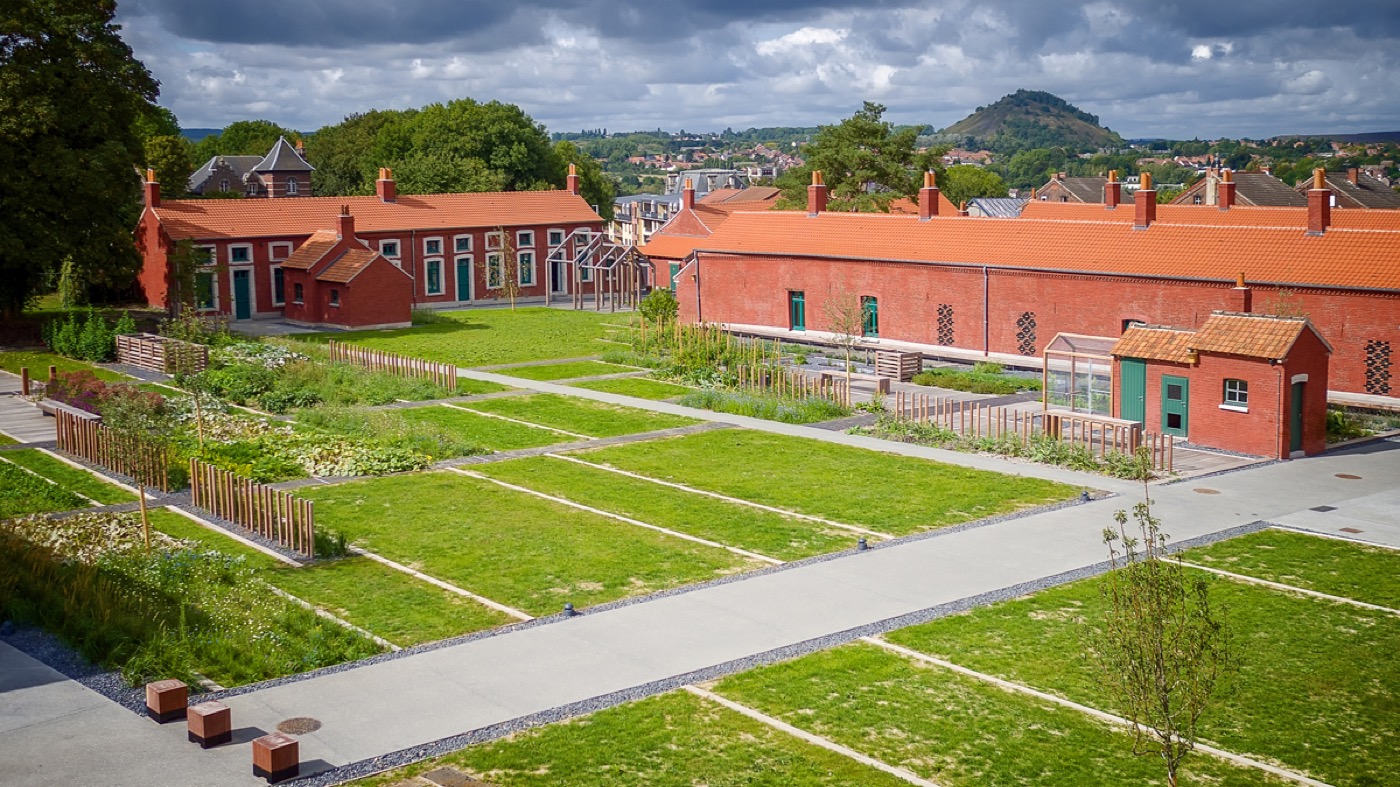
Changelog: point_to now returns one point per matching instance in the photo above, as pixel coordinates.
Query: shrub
(329, 543)
(92, 339)
(428, 317)
(1342, 425)
(239, 383)
(977, 381)
(79, 389)
(659, 307)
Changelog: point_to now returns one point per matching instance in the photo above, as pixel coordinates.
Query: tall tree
(964, 182)
(864, 161)
(169, 156)
(340, 154)
(242, 138)
(596, 187)
(70, 95)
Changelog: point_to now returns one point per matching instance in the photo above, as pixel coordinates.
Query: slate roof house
(283, 172)
(1356, 189)
(1253, 189)
(1072, 189)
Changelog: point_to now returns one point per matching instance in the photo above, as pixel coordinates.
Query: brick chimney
(688, 196)
(345, 224)
(573, 180)
(1353, 174)
(1241, 298)
(1112, 191)
(1225, 190)
(301, 150)
(152, 189)
(1319, 204)
(928, 198)
(816, 194)
(1145, 203)
(385, 187)
(962, 208)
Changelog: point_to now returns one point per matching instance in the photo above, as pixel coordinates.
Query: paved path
(20, 419)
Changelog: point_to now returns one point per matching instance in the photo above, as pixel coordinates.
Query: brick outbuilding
(335, 279)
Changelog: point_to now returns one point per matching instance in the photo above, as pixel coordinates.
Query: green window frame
(434, 277)
(205, 293)
(869, 316)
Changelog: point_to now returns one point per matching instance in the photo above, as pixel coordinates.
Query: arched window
(291, 185)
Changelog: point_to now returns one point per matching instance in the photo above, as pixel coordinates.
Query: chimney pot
(1225, 190)
(1112, 191)
(816, 194)
(1319, 204)
(1353, 174)
(928, 198)
(345, 224)
(386, 187)
(1145, 204)
(151, 189)
(688, 196)
(572, 180)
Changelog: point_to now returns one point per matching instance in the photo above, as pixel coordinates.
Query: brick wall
(379, 295)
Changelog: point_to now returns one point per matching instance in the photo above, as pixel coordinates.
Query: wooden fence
(271, 513)
(783, 381)
(380, 361)
(133, 456)
(975, 420)
(161, 354)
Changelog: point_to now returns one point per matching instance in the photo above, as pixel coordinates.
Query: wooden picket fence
(161, 354)
(134, 456)
(783, 381)
(271, 513)
(442, 374)
(975, 420)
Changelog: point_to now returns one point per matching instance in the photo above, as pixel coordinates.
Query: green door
(1132, 404)
(1295, 422)
(870, 311)
(675, 271)
(1175, 400)
(797, 310)
(242, 295)
(464, 278)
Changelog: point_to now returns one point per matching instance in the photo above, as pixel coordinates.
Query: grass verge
(885, 492)
(69, 477)
(493, 433)
(515, 549)
(565, 371)
(22, 493)
(38, 364)
(640, 387)
(774, 535)
(580, 416)
(1326, 565)
(788, 410)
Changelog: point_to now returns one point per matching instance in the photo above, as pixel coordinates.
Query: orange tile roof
(1250, 335)
(1352, 218)
(1155, 343)
(347, 266)
(311, 252)
(910, 207)
(1339, 258)
(251, 218)
(719, 195)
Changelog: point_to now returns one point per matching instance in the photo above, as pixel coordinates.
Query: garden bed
(983, 378)
(69, 477)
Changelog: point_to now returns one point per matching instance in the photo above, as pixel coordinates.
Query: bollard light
(1084, 496)
(569, 609)
(861, 545)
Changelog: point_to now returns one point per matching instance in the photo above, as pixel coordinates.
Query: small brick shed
(1248, 383)
(335, 279)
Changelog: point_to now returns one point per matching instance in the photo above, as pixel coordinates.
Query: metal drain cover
(1349, 476)
(1323, 509)
(1202, 490)
(1351, 530)
(299, 725)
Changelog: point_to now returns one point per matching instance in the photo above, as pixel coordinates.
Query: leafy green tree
(659, 308)
(157, 121)
(864, 161)
(964, 182)
(242, 138)
(1032, 168)
(340, 154)
(169, 156)
(595, 186)
(70, 96)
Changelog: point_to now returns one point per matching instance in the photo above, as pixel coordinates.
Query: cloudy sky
(1174, 68)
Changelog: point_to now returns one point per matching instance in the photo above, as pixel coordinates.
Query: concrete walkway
(20, 419)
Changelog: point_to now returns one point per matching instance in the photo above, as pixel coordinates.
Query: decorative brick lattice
(1025, 334)
(1378, 367)
(945, 324)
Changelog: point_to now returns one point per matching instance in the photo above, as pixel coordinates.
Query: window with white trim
(203, 255)
(461, 244)
(432, 245)
(206, 291)
(525, 260)
(240, 254)
(1236, 395)
(389, 248)
(279, 286)
(524, 239)
(223, 185)
(432, 280)
(292, 187)
(494, 266)
(494, 240)
(556, 237)
(279, 251)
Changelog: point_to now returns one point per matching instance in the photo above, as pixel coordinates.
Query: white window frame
(456, 247)
(563, 236)
(398, 247)
(273, 270)
(495, 241)
(292, 185)
(248, 247)
(525, 263)
(272, 251)
(495, 263)
(213, 254)
(520, 239)
(428, 251)
(223, 185)
(1236, 399)
(442, 282)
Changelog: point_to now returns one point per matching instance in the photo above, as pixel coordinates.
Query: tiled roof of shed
(1155, 343)
(252, 218)
(1250, 335)
(347, 266)
(311, 252)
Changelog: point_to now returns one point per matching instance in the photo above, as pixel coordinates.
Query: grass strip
(69, 477)
(519, 550)
(774, 535)
(885, 492)
(565, 371)
(1311, 694)
(186, 529)
(23, 493)
(672, 740)
(1326, 565)
(954, 729)
(38, 364)
(640, 387)
(580, 416)
(7, 440)
(492, 433)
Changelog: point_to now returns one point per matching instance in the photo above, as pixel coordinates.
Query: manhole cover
(1323, 509)
(1349, 476)
(1351, 530)
(1201, 490)
(299, 725)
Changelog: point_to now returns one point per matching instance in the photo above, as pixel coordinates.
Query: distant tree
(964, 182)
(70, 96)
(342, 155)
(596, 188)
(504, 274)
(865, 163)
(1162, 650)
(169, 156)
(242, 138)
(1033, 168)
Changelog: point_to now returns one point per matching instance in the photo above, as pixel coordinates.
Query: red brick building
(335, 279)
(1009, 285)
(451, 246)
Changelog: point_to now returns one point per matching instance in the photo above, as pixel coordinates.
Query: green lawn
(469, 387)
(186, 529)
(69, 477)
(566, 371)
(483, 430)
(885, 492)
(39, 362)
(673, 740)
(510, 547)
(22, 493)
(7, 440)
(952, 729)
(580, 416)
(640, 387)
(488, 337)
(1315, 691)
(1338, 568)
(773, 535)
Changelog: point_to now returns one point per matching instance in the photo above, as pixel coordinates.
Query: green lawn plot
(764, 532)
(386, 602)
(7, 440)
(1314, 692)
(1326, 565)
(672, 740)
(487, 337)
(493, 433)
(21, 492)
(640, 387)
(511, 547)
(580, 416)
(69, 477)
(566, 371)
(884, 492)
(953, 729)
(38, 364)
